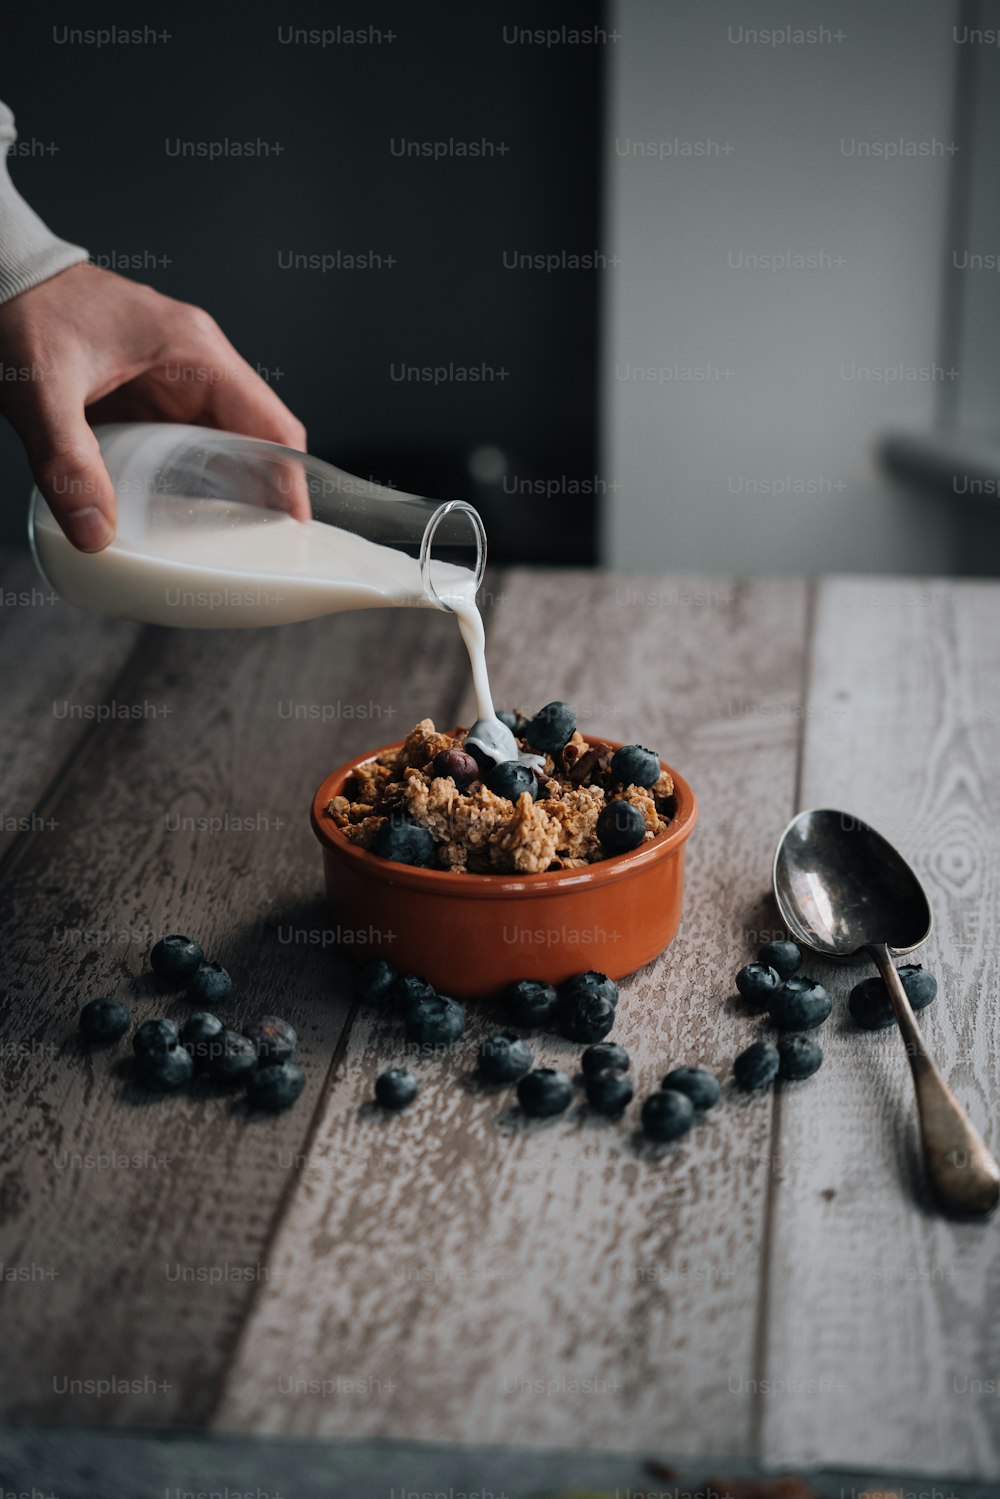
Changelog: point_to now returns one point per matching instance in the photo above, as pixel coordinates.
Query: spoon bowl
(841, 886)
(842, 889)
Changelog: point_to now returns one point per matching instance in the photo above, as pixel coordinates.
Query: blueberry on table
(757, 1067)
(511, 779)
(395, 1088)
(409, 989)
(871, 1007)
(545, 1092)
(590, 982)
(667, 1115)
(176, 957)
(105, 1019)
(620, 827)
(232, 1058)
(435, 1022)
(583, 1016)
(529, 1003)
(275, 1086)
(155, 1038)
(784, 957)
(375, 980)
(274, 1038)
(504, 1058)
(458, 764)
(799, 1057)
(210, 984)
(198, 1034)
(551, 728)
(757, 981)
(604, 1055)
(696, 1083)
(609, 1091)
(163, 1072)
(635, 765)
(800, 1004)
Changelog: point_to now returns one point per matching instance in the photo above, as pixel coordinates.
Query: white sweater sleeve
(29, 252)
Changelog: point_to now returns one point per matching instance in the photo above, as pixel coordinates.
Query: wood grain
(884, 1316)
(142, 1270)
(454, 1274)
(56, 664)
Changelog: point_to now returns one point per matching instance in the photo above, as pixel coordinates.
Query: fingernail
(89, 529)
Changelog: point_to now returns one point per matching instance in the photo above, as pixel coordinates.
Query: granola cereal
(478, 832)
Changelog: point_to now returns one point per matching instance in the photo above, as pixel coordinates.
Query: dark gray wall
(211, 231)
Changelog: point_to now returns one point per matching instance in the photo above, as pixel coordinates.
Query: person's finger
(238, 400)
(66, 461)
(242, 402)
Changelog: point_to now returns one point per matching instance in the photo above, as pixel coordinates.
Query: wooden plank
(884, 1317)
(57, 671)
(454, 1275)
(107, 1250)
(134, 1464)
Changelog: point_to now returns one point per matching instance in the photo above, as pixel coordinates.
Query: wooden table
(775, 1287)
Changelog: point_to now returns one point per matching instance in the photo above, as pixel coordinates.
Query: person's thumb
(66, 461)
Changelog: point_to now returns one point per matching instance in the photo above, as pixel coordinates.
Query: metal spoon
(842, 889)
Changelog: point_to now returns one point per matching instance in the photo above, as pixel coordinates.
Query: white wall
(675, 452)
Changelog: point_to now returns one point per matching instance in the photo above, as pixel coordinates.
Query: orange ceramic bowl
(471, 935)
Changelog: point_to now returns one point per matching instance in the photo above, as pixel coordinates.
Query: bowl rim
(496, 886)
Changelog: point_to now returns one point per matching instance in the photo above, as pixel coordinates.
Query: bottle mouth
(453, 555)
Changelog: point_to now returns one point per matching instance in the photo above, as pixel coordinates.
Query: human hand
(95, 345)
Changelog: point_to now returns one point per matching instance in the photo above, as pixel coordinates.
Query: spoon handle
(962, 1174)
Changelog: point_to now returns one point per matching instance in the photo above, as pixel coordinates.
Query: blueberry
(620, 827)
(584, 1016)
(784, 957)
(403, 841)
(635, 766)
(458, 764)
(198, 1034)
(176, 957)
(700, 1086)
(274, 1039)
(408, 990)
(529, 1003)
(799, 1056)
(551, 728)
(757, 982)
(165, 1071)
(607, 1054)
(871, 1006)
(231, 1057)
(757, 1067)
(667, 1115)
(275, 1086)
(545, 1092)
(511, 779)
(504, 1058)
(375, 980)
(210, 985)
(512, 721)
(590, 982)
(609, 1091)
(396, 1088)
(155, 1038)
(434, 1022)
(105, 1019)
(799, 1005)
